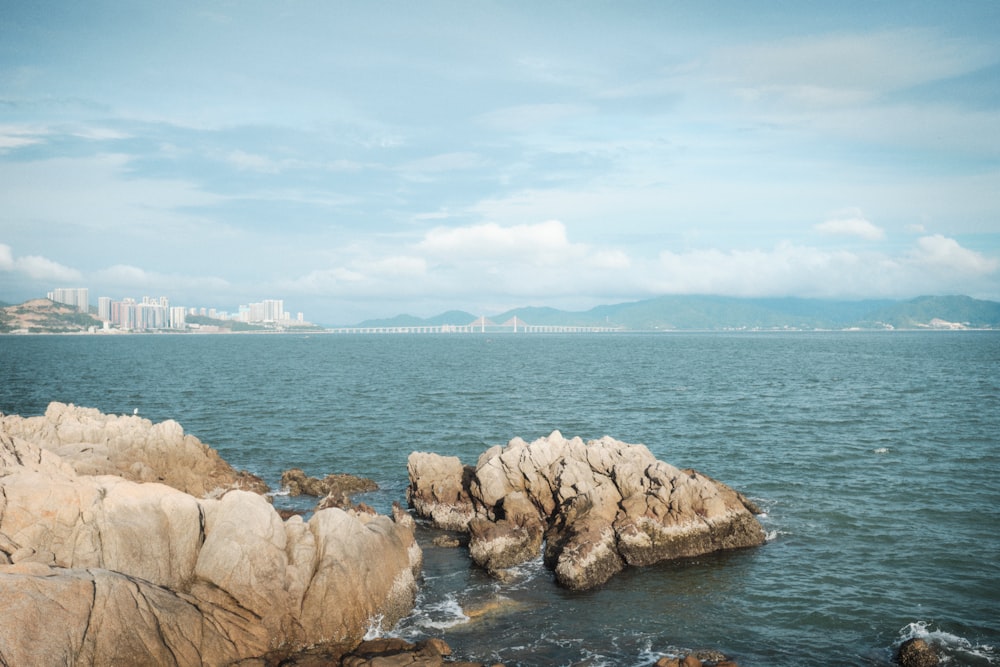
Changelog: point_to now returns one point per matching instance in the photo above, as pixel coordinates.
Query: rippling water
(875, 455)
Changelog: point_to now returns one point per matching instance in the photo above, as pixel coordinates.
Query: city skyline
(157, 313)
(366, 161)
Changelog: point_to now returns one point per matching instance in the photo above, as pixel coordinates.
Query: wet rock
(696, 659)
(598, 506)
(399, 653)
(917, 652)
(446, 542)
(337, 485)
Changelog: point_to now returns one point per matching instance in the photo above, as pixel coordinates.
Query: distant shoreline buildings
(152, 314)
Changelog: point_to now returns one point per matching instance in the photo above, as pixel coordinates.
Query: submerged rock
(102, 569)
(597, 506)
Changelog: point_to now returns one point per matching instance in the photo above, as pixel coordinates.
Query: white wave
(441, 615)
(950, 644)
(374, 630)
(881, 450)
(525, 574)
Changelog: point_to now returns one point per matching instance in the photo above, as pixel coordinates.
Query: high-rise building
(177, 317)
(78, 297)
(104, 308)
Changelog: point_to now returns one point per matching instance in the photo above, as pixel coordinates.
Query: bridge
(480, 325)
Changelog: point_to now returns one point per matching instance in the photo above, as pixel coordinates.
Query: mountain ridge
(707, 312)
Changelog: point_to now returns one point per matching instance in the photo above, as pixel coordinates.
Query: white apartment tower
(104, 308)
(78, 297)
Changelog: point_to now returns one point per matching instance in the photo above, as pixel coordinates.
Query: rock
(99, 569)
(298, 483)
(439, 490)
(514, 537)
(598, 506)
(667, 662)
(93, 443)
(446, 542)
(916, 652)
(710, 656)
(400, 653)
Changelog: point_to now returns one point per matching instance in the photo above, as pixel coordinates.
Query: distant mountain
(717, 313)
(938, 312)
(450, 317)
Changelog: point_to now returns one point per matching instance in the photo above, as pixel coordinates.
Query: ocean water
(876, 457)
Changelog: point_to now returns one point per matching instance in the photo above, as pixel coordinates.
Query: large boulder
(598, 506)
(100, 569)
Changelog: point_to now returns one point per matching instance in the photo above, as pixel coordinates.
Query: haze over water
(875, 455)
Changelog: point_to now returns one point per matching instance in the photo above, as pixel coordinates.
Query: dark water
(875, 455)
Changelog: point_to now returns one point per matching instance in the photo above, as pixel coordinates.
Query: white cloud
(399, 267)
(851, 223)
(936, 265)
(41, 269)
(95, 133)
(336, 280)
(945, 254)
(129, 280)
(491, 241)
(37, 268)
(18, 136)
(98, 195)
(846, 68)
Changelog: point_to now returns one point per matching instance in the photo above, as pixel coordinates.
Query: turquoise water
(875, 455)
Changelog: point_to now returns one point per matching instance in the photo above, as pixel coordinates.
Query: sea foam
(951, 645)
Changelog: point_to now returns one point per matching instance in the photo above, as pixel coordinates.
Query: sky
(367, 159)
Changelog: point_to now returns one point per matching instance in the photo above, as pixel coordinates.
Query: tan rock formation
(94, 443)
(600, 506)
(103, 570)
(439, 490)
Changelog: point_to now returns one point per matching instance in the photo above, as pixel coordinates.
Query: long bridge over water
(481, 325)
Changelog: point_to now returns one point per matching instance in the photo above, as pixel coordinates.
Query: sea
(875, 457)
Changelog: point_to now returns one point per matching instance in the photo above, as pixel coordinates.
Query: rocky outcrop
(94, 443)
(916, 652)
(298, 483)
(596, 507)
(335, 489)
(101, 569)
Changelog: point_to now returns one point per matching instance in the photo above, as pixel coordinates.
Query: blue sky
(367, 159)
